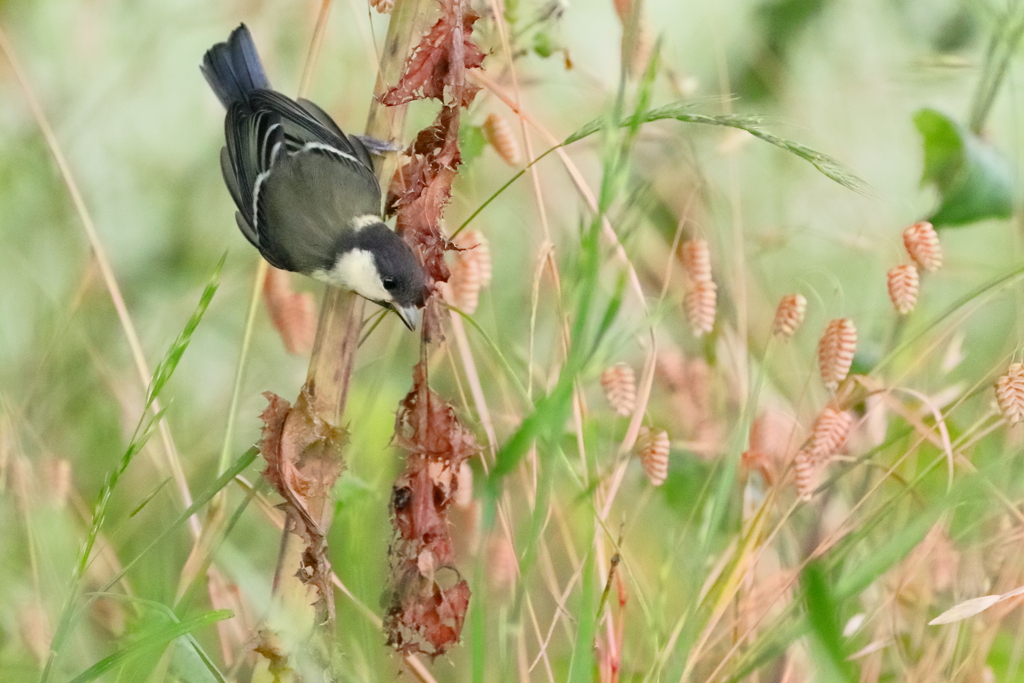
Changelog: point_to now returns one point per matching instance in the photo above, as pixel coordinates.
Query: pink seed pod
(789, 315)
(653, 448)
(697, 260)
(383, 6)
(835, 351)
(619, 383)
(1010, 393)
(471, 271)
(700, 302)
(903, 283)
(498, 134)
(922, 243)
(829, 433)
(804, 474)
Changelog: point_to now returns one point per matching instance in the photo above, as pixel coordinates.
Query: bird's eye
(389, 283)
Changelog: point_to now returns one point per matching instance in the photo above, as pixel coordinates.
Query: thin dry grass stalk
(700, 303)
(619, 384)
(903, 284)
(829, 433)
(789, 315)
(1010, 393)
(836, 350)
(922, 243)
(471, 272)
(653, 447)
(498, 134)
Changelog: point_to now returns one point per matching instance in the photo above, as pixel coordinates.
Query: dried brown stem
(341, 313)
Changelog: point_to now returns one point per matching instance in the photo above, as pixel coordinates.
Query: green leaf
(973, 178)
(471, 143)
(158, 638)
(823, 616)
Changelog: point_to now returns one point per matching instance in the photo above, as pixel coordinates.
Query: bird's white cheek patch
(356, 270)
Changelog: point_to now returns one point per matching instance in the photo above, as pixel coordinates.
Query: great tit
(306, 193)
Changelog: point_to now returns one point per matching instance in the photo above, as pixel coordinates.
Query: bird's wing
(307, 125)
(324, 118)
(255, 139)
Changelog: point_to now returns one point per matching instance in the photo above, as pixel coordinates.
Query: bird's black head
(401, 274)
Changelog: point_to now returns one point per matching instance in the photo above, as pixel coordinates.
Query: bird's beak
(410, 315)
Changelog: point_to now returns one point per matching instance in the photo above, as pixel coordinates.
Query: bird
(306, 193)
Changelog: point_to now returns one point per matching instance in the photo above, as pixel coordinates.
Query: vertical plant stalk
(301, 443)
(341, 313)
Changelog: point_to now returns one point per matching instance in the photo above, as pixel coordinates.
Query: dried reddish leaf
(440, 60)
(303, 454)
(420, 191)
(428, 597)
(292, 313)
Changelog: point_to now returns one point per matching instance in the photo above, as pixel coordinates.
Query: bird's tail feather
(233, 68)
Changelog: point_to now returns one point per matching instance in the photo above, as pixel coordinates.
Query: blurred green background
(120, 84)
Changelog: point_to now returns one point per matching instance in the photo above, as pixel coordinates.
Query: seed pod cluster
(619, 383)
(835, 351)
(804, 474)
(697, 260)
(498, 134)
(1010, 393)
(829, 433)
(903, 284)
(789, 315)
(472, 270)
(700, 303)
(653, 448)
(701, 297)
(922, 243)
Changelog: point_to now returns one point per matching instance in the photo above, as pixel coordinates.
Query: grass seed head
(653, 448)
(472, 270)
(700, 302)
(922, 243)
(789, 315)
(903, 283)
(619, 383)
(498, 134)
(804, 474)
(697, 260)
(829, 432)
(1010, 393)
(835, 351)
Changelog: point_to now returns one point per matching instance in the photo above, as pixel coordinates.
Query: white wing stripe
(331, 150)
(256, 200)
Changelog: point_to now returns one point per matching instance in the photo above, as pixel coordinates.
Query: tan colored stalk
(341, 313)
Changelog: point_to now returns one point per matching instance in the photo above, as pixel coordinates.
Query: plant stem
(341, 313)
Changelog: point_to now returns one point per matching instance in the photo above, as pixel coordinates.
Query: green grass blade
(159, 638)
(826, 165)
(169, 364)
